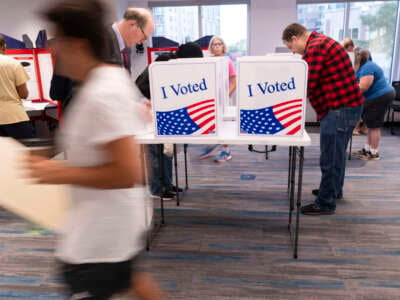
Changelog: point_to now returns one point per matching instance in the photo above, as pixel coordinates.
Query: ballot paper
(43, 204)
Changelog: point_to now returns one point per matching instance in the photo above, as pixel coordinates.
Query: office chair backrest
(396, 86)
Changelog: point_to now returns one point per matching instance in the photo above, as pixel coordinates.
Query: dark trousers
(154, 180)
(20, 130)
(335, 131)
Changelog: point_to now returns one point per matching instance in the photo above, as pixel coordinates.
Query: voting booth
(271, 95)
(187, 96)
(38, 63)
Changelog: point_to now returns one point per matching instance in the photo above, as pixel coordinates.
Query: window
(177, 23)
(376, 25)
(229, 22)
(181, 24)
(324, 18)
(354, 34)
(341, 34)
(371, 25)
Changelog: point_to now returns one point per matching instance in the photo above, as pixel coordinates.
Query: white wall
(21, 16)
(267, 19)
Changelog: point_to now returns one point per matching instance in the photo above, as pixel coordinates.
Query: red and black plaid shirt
(331, 79)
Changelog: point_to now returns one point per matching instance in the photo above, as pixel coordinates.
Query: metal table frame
(296, 158)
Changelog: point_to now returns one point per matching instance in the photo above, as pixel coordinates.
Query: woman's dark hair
(82, 19)
(362, 57)
(142, 81)
(189, 50)
(2, 43)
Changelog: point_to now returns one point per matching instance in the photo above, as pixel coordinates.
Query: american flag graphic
(195, 119)
(284, 117)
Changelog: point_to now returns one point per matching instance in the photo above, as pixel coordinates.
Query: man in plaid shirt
(334, 94)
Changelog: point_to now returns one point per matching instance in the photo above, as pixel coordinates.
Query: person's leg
(224, 155)
(356, 130)
(374, 136)
(154, 181)
(364, 129)
(375, 120)
(349, 117)
(205, 152)
(167, 178)
(326, 199)
(145, 287)
(365, 117)
(369, 139)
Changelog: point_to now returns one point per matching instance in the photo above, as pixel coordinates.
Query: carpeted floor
(229, 237)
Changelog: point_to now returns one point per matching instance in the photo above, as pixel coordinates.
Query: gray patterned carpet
(229, 237)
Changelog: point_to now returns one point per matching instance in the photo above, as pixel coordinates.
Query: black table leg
(289, 168)
(292, 184)
(176, 175)
(185, 146)
(299, 189)
(161, 178)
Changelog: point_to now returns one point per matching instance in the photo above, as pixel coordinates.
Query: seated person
(188, 50)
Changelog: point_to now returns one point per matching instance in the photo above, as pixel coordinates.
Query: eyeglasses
(145, 37)
(216, 44)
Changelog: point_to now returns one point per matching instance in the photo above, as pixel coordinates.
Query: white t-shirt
(102, 225)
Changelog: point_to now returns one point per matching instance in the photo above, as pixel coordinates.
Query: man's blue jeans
(336, 129)
(154, 179)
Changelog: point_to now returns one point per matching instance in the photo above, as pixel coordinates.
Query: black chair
(395, 105)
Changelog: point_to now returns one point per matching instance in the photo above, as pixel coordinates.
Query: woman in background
(378, 95)
(217, 47)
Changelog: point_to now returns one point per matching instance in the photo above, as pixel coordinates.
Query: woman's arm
(366, 82)
(123, 170)
(232, 85)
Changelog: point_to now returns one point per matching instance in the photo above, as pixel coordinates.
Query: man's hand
(44, 170)
(145, 109)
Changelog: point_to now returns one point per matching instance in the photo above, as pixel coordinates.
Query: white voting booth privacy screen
(38, 63)
(187, 95)
(271, 93)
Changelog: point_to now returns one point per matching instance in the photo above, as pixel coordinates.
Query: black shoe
(361, 153)
(314, 210)
(174, 189)
(167, 195)
(316, 191)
